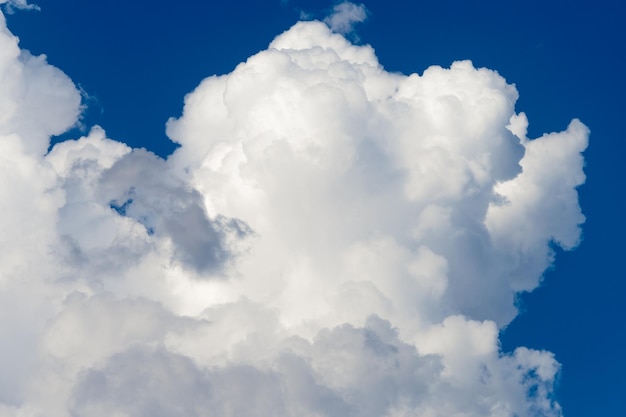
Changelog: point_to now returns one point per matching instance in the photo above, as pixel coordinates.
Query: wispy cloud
(345, 15)
(12, 5)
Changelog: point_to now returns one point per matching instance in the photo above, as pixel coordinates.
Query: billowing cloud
(330, 239)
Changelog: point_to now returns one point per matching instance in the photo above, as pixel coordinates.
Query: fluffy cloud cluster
(330, 239)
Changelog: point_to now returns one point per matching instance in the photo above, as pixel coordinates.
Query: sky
(389, 209)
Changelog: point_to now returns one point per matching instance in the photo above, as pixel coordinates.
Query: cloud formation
(344, 16)
(11, 5)
(330, 239)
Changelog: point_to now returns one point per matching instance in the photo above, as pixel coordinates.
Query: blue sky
(136, 61)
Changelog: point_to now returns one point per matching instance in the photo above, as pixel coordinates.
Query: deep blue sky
(137, 59)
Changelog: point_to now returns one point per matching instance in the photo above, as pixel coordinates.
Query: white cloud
(330, 239)
(11, 5)
(345, 15)
(37, 100)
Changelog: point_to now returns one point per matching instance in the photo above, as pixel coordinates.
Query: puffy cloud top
(330, 239)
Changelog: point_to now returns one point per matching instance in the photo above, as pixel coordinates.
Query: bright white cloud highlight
(330, 239)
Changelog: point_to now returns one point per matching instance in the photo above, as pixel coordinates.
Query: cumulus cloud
(330, 239)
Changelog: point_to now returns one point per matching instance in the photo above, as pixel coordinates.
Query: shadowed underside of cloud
(330, 239)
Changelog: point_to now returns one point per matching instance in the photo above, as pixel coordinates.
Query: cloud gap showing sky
(329, 239)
